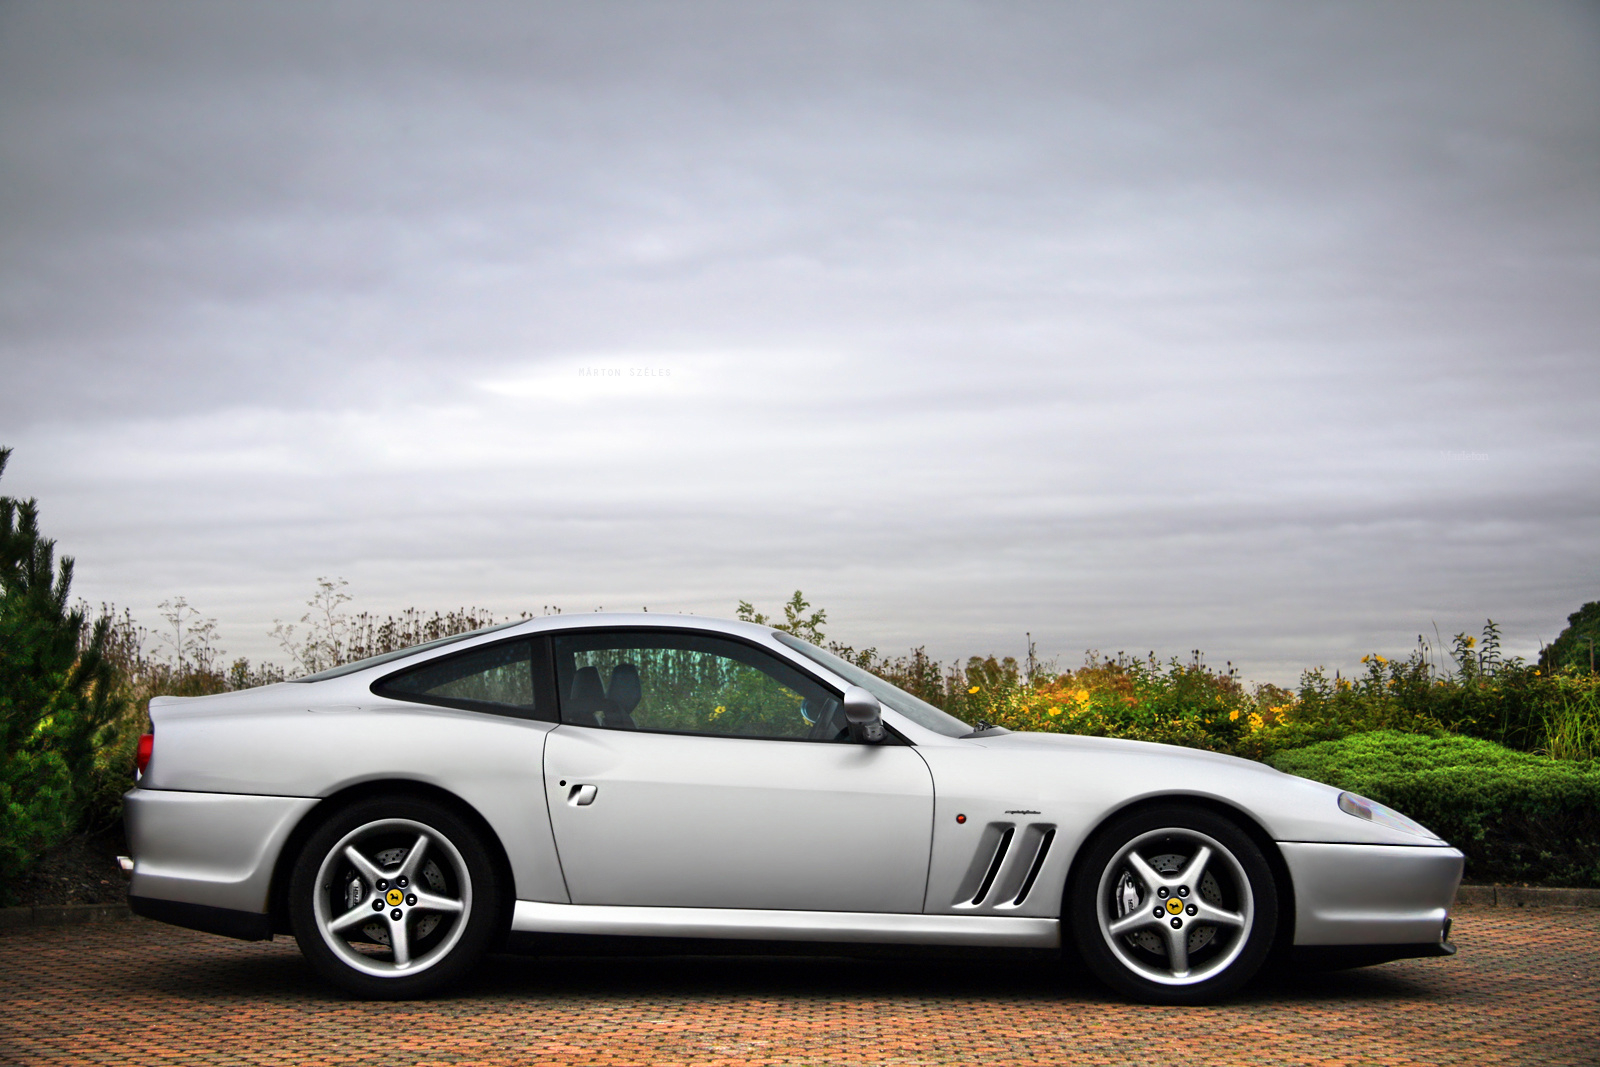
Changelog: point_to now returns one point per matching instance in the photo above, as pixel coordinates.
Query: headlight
(1382, 814)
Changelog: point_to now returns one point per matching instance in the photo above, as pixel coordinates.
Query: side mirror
(864, 714)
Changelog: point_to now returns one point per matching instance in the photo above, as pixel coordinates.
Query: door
(692, 770)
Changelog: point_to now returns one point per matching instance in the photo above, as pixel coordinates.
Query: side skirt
(838, 927)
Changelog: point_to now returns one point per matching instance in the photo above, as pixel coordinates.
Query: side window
(498, 678)
(689, 683)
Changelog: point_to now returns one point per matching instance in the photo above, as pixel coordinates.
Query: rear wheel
(394, 897)
(1173, 905)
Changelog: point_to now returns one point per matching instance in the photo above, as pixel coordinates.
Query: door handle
(582, 795)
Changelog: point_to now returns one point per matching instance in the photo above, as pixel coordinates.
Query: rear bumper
(1340, 957)
(210, 850)
(1373, 896)
(245, 925)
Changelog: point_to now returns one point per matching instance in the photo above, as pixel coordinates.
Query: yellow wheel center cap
(1174, 905)
(396, 898)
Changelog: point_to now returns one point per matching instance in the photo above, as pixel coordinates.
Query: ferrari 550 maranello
(676, 777)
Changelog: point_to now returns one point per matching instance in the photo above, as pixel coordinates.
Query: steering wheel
(823, 729)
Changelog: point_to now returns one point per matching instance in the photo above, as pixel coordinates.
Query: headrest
(624, 688)
(587, 692)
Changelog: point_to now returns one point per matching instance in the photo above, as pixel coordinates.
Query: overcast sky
(1271, 330)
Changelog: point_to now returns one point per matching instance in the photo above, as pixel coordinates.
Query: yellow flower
(719, 711)
(1233, 716)
(1055, 711)
(1366, 659)
(1472, 642)
(1381, 660)
(974, 689)
(1256, 721)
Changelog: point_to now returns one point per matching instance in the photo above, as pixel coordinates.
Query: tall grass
(1572, 728)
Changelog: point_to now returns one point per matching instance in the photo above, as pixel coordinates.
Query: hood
(1080, 743)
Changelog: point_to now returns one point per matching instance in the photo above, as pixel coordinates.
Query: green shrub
(1518, 816)
(37, 810)
(1574, 648)
(57, 694)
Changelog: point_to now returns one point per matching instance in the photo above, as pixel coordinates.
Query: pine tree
(57, 693)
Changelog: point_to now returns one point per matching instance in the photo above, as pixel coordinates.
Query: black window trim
(893, 737)
(545, 708)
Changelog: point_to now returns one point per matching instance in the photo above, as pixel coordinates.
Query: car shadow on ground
(854, 978)
(281, 973)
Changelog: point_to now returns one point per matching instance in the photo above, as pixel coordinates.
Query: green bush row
(1518, 816)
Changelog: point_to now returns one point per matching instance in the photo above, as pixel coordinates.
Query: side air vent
(1005, 865)
(1033, 868)
(994, 865)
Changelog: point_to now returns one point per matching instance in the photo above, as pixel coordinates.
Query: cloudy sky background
(1270, 330)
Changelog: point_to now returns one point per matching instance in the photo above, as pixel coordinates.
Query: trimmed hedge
(1517, 816)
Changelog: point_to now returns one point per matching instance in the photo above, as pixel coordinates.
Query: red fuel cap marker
(961, 818)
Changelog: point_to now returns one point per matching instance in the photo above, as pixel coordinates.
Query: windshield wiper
(984, 729)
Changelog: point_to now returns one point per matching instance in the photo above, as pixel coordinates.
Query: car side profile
(679, 777)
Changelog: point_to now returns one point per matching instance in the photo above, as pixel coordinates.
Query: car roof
(542, 624)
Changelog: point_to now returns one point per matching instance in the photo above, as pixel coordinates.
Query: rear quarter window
(504, 678)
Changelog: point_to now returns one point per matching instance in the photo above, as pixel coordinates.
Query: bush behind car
(1518, 816)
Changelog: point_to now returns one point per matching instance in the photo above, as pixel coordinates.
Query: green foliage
(36, 811)
(1572, 720)
(701, 692)
(1174, 703)
(1518, 816)
(1468, 689)
(327, 636)
(1574, 648)
(795, 620)
(1476, 692)
(918, 674)
(58, 699)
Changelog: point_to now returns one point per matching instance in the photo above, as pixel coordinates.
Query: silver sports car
(680, 777)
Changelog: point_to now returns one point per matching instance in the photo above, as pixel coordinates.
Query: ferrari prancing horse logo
(1174, 905)
(395, 898)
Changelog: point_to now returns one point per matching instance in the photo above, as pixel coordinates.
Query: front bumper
(1371, 895)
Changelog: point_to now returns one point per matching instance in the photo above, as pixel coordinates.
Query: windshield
(918, 711)
(373, 661)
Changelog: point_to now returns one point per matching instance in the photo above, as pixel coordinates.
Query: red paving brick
(1525, 989)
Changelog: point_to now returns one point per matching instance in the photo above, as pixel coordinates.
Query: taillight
(147, 745)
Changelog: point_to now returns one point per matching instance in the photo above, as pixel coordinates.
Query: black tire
(440, 908)
(1216, 925)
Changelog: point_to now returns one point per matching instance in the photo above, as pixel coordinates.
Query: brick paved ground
(1524, 990)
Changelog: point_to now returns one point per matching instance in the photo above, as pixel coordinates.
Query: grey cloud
(1121, 320)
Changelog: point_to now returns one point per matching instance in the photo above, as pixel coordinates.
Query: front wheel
(1173, 905)
(393, 897)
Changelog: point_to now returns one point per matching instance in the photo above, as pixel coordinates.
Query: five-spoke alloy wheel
(1173, 905)
(393, 897)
